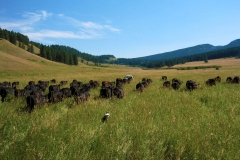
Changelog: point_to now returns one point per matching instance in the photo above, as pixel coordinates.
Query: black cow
(75, 86)
(117, 91)
(35, 100)
(211, 82)
(66, 92)
(164, 78)
(236, 79)
(177, 80)
(139, 87)
(82, 95)
(4, 91)
(218, 79)
(94, 84)
(105, 92)
(191, 85)
(74, 89)
(167, 84)
(146, 82)
(54, 88)
(229, 80)
(55, 96)
(119, 82)
(176, 85)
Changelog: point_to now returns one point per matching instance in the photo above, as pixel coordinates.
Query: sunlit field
(157, 123)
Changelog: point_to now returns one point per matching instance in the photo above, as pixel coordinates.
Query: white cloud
(60, 15)
(76, 29)
(45, 15)
(35, 17)
(111, 28)
(90, 25)
(56, 34)
(30, 19)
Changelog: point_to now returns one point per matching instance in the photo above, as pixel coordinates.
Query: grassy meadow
(155, 124)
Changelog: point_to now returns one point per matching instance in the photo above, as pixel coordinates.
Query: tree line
(17, 39)
(13, 37)
(84, 56)
(53, 54)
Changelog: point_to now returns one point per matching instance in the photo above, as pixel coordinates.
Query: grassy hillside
(155, 124)
(15, 58)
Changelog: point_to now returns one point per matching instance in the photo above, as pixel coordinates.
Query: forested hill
(223, 53)
(83, 55)
(58, 53)
(190, 51)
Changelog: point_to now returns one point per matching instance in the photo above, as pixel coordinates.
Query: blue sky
(124, 28)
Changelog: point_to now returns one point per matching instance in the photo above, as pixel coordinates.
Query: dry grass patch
(224, 62)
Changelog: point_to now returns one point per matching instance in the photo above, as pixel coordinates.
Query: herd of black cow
(191, 85)
(34, 93)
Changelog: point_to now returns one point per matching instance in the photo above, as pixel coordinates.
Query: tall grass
(155, 124)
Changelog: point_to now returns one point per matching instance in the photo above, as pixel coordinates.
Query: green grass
(155, 124)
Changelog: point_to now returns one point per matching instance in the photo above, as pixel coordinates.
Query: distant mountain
(235, 43)
(190, 51)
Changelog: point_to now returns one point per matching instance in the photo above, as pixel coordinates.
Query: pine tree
(13, 38)
(49, 54)
(1, 33)
(75, 59)
(6, 34)
(71, 60)
(43, 51)
(32, 49)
